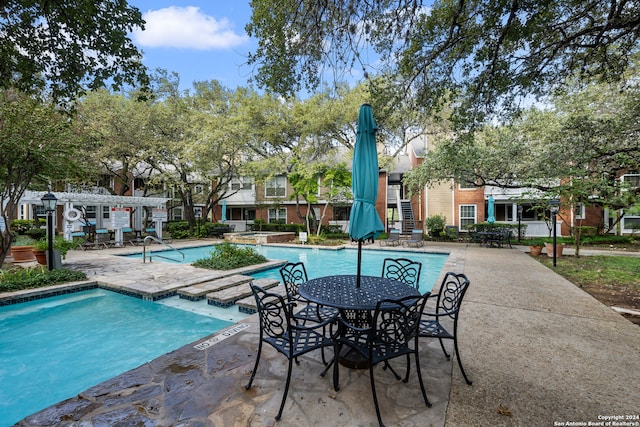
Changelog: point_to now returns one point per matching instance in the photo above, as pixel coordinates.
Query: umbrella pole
(359, 262)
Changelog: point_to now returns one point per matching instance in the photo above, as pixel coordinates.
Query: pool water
(54, 348)
(324, 262)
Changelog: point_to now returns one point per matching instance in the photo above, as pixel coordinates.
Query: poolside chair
(403, 270)
(416, 239)
(166, 237)
(453, 288)
(103, 239)
(393, 239)
(279, 329)
(393, 333)
(129, 236)
(293, 275)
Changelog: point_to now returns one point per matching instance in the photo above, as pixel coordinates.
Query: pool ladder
(150, 239)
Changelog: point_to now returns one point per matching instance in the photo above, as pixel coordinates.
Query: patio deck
(538, 349)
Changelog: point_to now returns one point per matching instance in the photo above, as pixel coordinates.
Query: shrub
(435, 226)
(36, 277)
(36, 233)
(226, 256)
(20, 226)
(179, 229)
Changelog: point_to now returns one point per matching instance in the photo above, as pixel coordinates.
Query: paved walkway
(539, 350)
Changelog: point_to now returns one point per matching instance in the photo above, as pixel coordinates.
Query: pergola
(69, 199)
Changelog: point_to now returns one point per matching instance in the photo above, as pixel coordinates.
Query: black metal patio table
(355, 303)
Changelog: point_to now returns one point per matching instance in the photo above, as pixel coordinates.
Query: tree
(67, 47)
(37, 146)
(484, 55)
(575, 149)
(116, 135)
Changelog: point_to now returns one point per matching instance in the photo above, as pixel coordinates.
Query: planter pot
(22, 253)
(535, 250)
(41, 256)
(549, 248)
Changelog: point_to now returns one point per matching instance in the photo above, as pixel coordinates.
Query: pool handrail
(155, 239)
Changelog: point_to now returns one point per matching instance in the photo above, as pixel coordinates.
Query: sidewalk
(538, 350)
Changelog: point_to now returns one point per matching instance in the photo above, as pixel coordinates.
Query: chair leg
(443, 349)
(255, 367)
(424, 392)
(388, 366)
(375, 397)
(336, 374)
(464, 374)
(286, 390)
(406, 378)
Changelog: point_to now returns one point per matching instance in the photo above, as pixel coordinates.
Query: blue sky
(200, 40)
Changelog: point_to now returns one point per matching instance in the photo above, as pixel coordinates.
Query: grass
(606, 271)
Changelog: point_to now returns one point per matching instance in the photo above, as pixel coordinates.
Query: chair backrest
(452, 290)
(293, 275)
(403, 270)
(274, 314)
(416, 235)
(394, 234)
(396, 321)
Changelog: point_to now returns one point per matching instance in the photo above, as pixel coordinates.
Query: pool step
(198, 291)
(228, 296)
(248, 305)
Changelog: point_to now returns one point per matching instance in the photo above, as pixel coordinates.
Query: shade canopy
(491, 215)
(364, 222)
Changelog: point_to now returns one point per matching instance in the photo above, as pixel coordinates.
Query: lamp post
(49, 202)
(519, 222)
(554, 207)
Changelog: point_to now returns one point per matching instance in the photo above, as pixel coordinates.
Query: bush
(36, 233)
(20, 226)
(226, 256)
(435, 226)
(179, 229)
(37, 277)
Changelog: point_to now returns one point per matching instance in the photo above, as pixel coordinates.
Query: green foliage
(607, 271)
(36, 233)
(59, 243)
(36, 277)
(23, 240)
(58, 58)
(180, 229)
(435, 226)
(226, 256)
(21, 226)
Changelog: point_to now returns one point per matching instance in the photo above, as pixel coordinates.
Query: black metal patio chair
(403, 270)
(452, 291)
(293, 275)
(282, 332)
(393, 332)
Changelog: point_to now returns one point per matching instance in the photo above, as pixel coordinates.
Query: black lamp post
(554, 207)
(519, 222)
(49, 202)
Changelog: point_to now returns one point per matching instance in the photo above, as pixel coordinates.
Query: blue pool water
(324, 262)
(54, 348)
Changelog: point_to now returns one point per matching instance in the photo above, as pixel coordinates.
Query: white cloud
(187, 27)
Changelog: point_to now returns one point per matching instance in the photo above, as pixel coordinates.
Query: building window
(276, 187)
(466, 186)
(177, 213)
(247, 183)
(579, 211)
(632, 179)
(467, 215)
(277, 216)
(106, 210)
(91, 212)
(341, 213)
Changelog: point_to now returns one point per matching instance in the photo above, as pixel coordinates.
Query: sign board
(303, 236)
(120, 218)
(159, 215)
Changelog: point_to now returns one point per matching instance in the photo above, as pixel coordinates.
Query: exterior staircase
(408, 221)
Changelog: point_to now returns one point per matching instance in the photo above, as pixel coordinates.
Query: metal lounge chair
(453, 288)
(393, 333)
(416, 239)
(393, 239)
(279, 329)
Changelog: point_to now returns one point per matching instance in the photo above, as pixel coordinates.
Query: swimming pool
(52, 349)
(323, 262)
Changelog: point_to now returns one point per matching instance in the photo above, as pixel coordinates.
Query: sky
(201, 40)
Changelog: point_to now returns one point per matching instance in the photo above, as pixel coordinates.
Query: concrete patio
(539, 350)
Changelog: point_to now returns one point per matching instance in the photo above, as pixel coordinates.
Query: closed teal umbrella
(224, 211)
(491, 216)
(364, 222)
